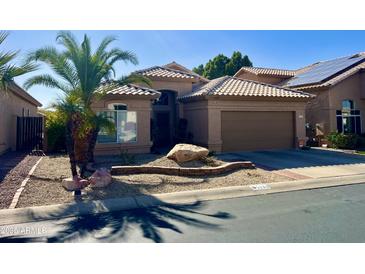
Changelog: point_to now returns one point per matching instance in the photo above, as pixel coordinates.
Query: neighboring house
(14, 102)
(225, 114)
(339, 86)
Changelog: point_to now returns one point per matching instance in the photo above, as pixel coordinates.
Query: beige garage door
(257, 130)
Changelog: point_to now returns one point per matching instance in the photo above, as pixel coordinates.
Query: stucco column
(300, 132)
(214, 130)
(143, 128)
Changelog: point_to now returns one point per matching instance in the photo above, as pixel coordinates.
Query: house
(338, 86)
(224, 114)
(14, 102)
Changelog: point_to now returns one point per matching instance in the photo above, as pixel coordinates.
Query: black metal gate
(29, 134)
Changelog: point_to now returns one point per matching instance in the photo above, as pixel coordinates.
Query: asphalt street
(334, 214)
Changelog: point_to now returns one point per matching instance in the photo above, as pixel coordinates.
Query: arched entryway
(164, 118)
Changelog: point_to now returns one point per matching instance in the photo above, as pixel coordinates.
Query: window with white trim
(125, 124)
(348, 118)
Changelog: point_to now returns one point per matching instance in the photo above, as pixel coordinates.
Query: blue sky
(278, 49)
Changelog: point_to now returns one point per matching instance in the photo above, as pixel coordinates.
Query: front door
(162, 130)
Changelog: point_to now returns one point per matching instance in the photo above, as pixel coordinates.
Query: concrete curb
(41, 213)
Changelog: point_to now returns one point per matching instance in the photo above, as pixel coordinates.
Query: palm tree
(8, 71)
(83, 74)
(70, 107)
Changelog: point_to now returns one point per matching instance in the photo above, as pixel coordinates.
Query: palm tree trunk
(92, 144)
(91, 141)
(70, 146)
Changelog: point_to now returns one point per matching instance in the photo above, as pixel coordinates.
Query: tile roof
(267, 71)
(129, 89)
(232, 86)
(184, 69)
(164, 72)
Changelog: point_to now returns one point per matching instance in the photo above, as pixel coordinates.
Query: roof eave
(16, 89)
(247, 98)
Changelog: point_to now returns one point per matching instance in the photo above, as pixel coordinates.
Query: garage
(257, 130)
(230, 114)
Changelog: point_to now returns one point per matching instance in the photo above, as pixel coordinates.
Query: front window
(125, 124)
(348, 118)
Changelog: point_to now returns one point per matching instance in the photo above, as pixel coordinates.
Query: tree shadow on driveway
(115, 226)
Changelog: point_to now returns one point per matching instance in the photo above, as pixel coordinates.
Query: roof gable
(167, 73)
(176, 66)
(282, 73)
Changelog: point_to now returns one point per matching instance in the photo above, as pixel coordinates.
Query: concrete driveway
(301, 164)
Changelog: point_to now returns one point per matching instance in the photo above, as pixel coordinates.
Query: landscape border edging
(19, 191)
(181, 171)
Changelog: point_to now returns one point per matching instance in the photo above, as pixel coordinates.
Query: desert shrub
(344, 141)
(166, 180)
(55, 124)
(127, 158)
(209, 161)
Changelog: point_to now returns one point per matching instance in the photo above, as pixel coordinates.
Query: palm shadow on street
(114, 226)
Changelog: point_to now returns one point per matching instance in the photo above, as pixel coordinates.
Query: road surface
(334, 214)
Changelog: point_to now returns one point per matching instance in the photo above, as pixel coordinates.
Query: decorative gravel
(44, 187)
(14, 167)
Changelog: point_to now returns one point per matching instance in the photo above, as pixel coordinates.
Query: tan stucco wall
(143, 109)
(181, 87)
(204, 117)
(196, 114)
(11, 106)
(260, 78)
(322, 110)
(351, 88)
(318, 112)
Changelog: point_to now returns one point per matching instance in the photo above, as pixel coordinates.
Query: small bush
(55, 124)
(127, 158)
(166, 180)
(343, 141)
(209, 161)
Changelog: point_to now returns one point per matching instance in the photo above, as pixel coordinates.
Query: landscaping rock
(186, 152)
(76, 183)
(100, 178)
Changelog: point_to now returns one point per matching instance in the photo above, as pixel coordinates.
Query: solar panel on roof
(323, 70)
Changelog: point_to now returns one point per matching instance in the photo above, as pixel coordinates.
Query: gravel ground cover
(14, 167)
(44, 188)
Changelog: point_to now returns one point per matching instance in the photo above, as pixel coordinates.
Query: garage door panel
(257, 130)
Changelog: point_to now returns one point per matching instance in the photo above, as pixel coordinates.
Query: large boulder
(186, 152)
(100, 178)
(76, 183)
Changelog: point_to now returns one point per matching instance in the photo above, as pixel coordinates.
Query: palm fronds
(8, 70)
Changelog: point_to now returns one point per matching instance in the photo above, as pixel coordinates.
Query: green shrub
(127, 158)
(55, 124)
(344, 141)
